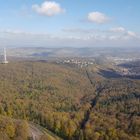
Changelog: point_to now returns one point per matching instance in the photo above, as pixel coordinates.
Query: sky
(69, 23)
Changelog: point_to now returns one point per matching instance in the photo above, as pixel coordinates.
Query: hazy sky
(69, 23)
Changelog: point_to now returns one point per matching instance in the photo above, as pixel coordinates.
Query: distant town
(77, 61)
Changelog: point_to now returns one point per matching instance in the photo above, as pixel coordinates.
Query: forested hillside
(73, 103)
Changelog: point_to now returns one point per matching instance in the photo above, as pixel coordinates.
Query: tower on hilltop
(5, 57)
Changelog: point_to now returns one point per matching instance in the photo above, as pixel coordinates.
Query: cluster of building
(123, 71)
(78, 62)
(118, 60)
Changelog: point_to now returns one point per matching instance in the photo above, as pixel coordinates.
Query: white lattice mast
(5, 58)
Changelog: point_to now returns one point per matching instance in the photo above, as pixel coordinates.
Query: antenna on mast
(4, 57)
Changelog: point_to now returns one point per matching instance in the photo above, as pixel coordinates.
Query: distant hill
(73, 52)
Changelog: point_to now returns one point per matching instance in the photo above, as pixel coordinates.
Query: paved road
(35, 132)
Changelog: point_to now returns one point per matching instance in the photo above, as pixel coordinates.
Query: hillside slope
(71, 102)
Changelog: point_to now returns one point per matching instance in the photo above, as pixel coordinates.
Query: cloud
(122, 32)
(117, 29)
(115, 34)
(98, 17)
(72, 37)
(80, 30)
(130, 33)
(48, 8)
(20, 33)
(9, 31)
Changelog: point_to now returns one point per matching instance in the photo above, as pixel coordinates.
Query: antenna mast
(5, 58)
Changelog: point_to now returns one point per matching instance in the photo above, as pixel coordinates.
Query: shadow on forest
(114, 74)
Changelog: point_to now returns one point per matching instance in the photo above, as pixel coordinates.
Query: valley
(65, 101)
